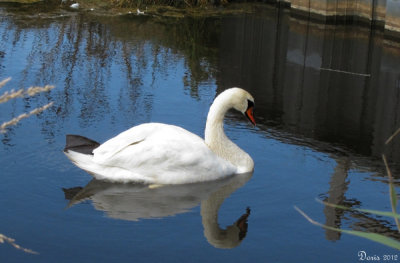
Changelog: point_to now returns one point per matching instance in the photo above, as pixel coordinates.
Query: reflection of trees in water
(289, 65)
(198, 39)
(97, 66)
(335, 217)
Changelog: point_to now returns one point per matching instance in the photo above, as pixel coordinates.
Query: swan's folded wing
(115, 145)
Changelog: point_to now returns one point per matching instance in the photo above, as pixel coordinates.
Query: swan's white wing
(161, 153)
(122, 140)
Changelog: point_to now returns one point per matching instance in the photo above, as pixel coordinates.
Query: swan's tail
(80, 144)
(79, 150)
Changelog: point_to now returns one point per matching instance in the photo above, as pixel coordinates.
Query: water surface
(327, 98)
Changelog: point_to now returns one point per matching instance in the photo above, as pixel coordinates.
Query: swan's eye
(250, 104)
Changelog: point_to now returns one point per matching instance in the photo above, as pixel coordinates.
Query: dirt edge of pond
(110, 8)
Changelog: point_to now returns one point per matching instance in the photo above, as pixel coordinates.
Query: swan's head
(241, 101)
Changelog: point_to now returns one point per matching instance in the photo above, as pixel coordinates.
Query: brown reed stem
(11, 241)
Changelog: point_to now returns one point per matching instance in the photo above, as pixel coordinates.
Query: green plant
(378, 238)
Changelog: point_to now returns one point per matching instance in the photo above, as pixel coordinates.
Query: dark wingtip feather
(80, 144)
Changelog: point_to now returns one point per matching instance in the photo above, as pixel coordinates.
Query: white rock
(74, 6)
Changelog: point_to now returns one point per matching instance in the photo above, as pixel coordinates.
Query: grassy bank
(135, 3)
(139, 3)
(158, 8)
(172, 3)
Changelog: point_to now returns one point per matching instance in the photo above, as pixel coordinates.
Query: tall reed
(5, 97)
(21, 93)
(378, 238)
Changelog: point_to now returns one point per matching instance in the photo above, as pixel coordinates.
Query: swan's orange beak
(249, 115)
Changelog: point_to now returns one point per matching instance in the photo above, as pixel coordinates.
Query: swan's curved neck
(218, 142)
(214, 132)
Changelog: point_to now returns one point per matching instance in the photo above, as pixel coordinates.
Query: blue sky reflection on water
(111, 74)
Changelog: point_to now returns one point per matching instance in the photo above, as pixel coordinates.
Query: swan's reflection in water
(137, 201)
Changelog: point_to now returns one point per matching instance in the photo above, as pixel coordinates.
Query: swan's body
(154, 153)
(158, 153)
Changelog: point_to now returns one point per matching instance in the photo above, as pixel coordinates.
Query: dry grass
(30, 92)
(11, 241)
(7, 96)
(23, 116)
(22, 93)
(174, 3)
(4, 82)
(393, 135)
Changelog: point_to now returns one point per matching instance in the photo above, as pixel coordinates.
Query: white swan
(156, 153)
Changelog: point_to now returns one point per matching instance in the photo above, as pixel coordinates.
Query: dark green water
(327, 98)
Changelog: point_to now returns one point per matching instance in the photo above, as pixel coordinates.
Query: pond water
(327, 97)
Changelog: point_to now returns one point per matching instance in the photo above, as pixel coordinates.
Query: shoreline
(389, 24)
